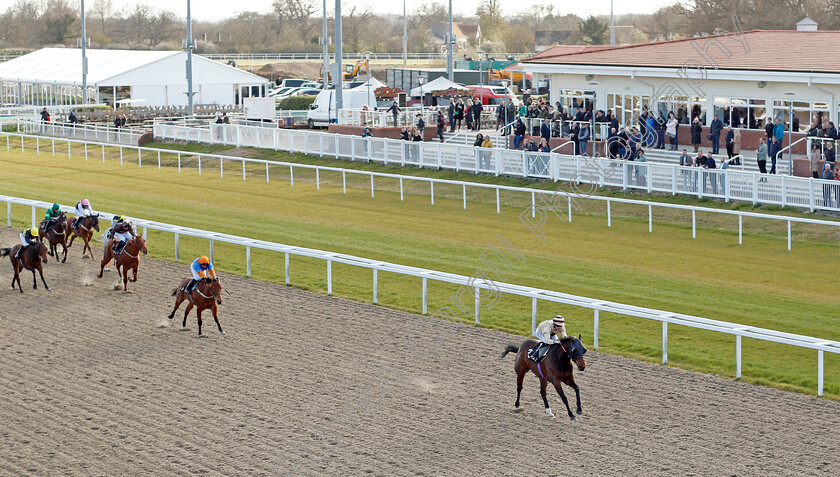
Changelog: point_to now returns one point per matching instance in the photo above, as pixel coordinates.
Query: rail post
(464, 189)
(498, 205)
(211, 250)
(609, 215)
(199, 165)
(344, 181)
(740, 229)
(292, 176)
(286, 262)
(533, 316)
(432, 184)
(247, 261)
(477, 306)
(595, 326)
(103, 156)
(176, 247)
(33, 216)
(737, 356)
(221, 167)
(664, 342)
(329, 277)
(243, 169)
(650, 218)
(317, 179)
(819, 372)
(8, 214)
(371, 185)
(693, 223)
(424, 308)
(375, 287)
(401, 189)
(267, 180)
(788, 230)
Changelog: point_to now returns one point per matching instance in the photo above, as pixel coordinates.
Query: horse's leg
(565, 401)
(125, 278)
(543, 385)
(134, 269)
(105, 260)
(521, 369)
(64, 258)
(186, 312)
(198, 312)
(574, 386)
(34, 280)
(215, 310)
(179, 298)
(41, 272)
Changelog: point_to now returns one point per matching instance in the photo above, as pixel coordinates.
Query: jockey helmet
(85, 203)
(56, 206)
(203, 260)
(559, 321)
(33, 231)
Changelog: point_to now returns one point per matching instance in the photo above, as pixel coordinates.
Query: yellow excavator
(350, 71)
(512, 76)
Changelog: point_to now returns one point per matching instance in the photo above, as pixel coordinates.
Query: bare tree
(356, 23)
(297, 13)
(58, 22)
(102, 11)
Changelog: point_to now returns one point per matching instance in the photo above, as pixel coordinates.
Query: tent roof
(437, 84)
(64, 66)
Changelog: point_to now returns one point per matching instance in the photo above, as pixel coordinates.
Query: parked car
(492, 95)
(309, 91)
(280, 91)
(292, 83)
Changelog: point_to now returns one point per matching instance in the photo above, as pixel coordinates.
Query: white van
(322, 112)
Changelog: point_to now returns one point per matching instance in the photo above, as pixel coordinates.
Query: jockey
(114, 221)
(549, 332)
(27, 238)
(201, 267)
(82, 210)
(51, 216)
(122, 232)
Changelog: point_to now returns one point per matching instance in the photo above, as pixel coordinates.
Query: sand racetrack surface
(98, 382)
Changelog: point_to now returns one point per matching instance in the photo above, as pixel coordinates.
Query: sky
(218, 9)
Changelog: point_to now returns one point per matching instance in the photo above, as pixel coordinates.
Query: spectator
(827, 175)
(487, 143)
(700, 160)
(714, 134)
(813, 130)
(583, 138)
(612, 143)
(661, 126)
(219, 119)
(779, 132)
(641, 169)
(761, 156)
(696, 133)
(366, 130)
(736, 146)
(773, 150)
(814, 159)
(671, 131)
(829, 153)
(768, 129)
(416, 134)
(831, 131)
(544, 146)
(45, 116)
(72, 118)
(395, 112)
(532, 145)
(226, 118)
(459, 114)
(650, 132)
(686, 161)
(518, 133)
(441, 124)
(477, 109)
(421, 125)
(710, 164)
(468, 114)
(404, 134)
(730, 141)
(451, 114)
(545, 130)
(479, 139)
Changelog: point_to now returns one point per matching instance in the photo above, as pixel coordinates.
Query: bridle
(212, 295)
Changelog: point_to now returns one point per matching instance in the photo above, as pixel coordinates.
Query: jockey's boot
(76, 222)
(190, 285)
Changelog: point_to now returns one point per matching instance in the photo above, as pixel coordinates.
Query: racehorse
(57, 234)
(31, 260)
(206, 294)
(556, 367)
(127, 258)
(84, 231)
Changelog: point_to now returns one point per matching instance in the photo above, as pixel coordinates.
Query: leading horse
(206, 294)
(31, 260)
(556, 367)
(126, 259)
(56, 235)
(84, 230)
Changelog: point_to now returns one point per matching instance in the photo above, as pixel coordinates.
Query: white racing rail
(474, 287)
(754, 187)
(548, 199)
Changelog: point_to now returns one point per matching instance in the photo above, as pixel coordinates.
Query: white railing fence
(478, 288)
(634, 173)
(88, 132)
(729, 185)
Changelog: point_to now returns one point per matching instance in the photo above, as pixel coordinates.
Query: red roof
(762, 50)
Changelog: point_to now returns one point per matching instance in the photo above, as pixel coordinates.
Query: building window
(628, 107)
(575, 99)
(741, 112)
(804, 113)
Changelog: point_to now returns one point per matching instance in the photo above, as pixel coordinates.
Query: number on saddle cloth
(538, 352)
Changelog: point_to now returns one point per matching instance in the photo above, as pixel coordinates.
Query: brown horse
(556, 367)
(30, 259)
(56, 235)
(206, 294)
(84, 230)
(127, 258)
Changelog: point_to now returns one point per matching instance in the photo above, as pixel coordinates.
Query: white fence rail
(812, 194)
(547, 199)
(474, 286)
(88, 132)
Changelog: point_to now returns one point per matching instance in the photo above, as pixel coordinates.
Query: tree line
(295, 25)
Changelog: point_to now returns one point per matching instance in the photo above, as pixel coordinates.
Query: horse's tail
(174, 291)
(510, 349)
(4, 251)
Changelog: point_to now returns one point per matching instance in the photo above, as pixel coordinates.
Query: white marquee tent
(438, 84)
(53, 76)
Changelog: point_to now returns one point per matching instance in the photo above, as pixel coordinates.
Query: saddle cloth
(538, 352)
